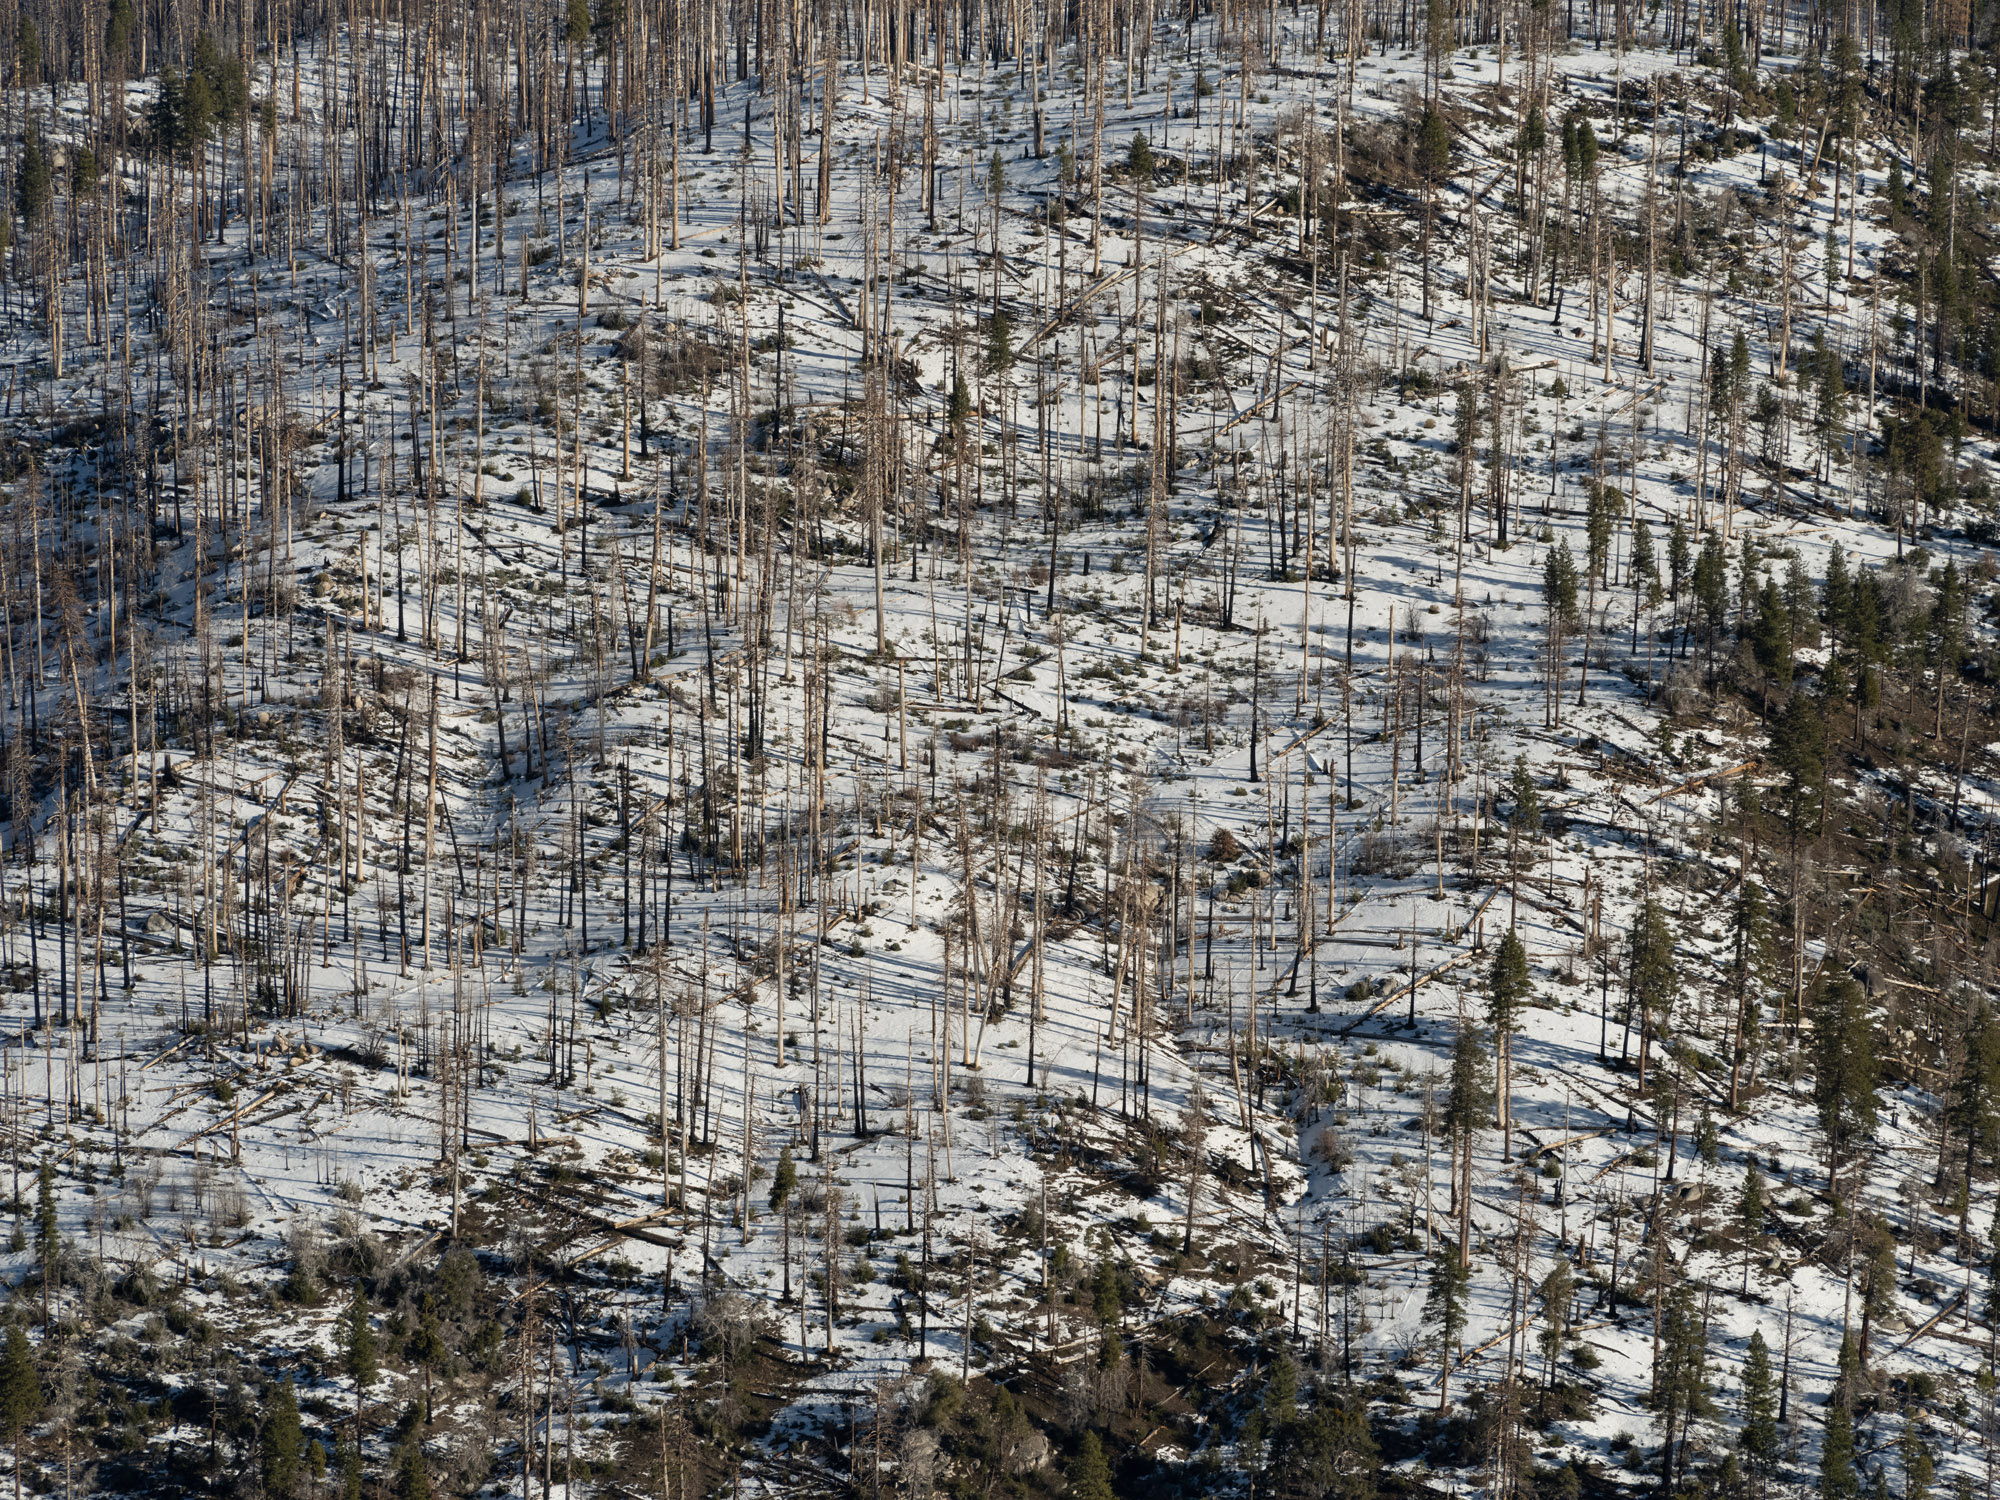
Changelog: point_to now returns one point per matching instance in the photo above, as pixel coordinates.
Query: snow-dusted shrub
(1332, 1151)
(1681, 690)
(229, 1208)
(728, 1323)
(1383, 853)
(305, 1242)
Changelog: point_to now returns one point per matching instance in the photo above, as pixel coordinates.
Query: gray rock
(1026, 1453)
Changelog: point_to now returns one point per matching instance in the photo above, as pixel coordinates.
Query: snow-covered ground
(946, 1104)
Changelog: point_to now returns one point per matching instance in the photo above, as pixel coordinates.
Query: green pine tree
(1558, 1294)
(1876, 1268)
(1750, 931)
(1652, 977)
(1089, 1475)
(28, 50)
(166, 115)
(1586, 146)
(221, 87)
(1758, 1435)
(358, 1347)
(1281, 1394)
(281, 1444)
(1525, 815)
(1559, 584)
(1680, 561)
(1834, 593)
(605, 25)
(1466, 1093)
(1604, 504)
(1771, 638)
(1534, 133)
(428, 1350)
(20, 1394)
(1710, 585)
(1845, 1074)
(120, 25)
(48, 1235)
(1642, 572)
(33, 183)
(1507, 991)
(1752, 1209)
(1919, 1468)
(1507, 985)
(1433, 146)
(1846, 1371)
(1680, 1377)
(1973, 1111)
(961, 406)
(1445, 1314)
(48, 1239)
(1798, 749)
(1837, 1477)
(413, 1480)
(1707, 1138)
(785, 1180)
(1139, 157)
(999, 342)
(1329, 1453)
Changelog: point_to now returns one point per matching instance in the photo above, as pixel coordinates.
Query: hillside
(1367, 633)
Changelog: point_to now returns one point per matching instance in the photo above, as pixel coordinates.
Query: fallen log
(1402, 994)
(1936, 1318)
(1707, 776)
